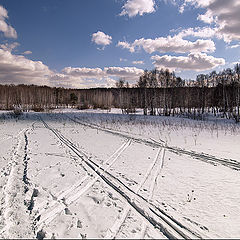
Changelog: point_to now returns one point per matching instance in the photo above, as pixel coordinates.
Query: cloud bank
(194, 61)
(19, 70)
(169, 44)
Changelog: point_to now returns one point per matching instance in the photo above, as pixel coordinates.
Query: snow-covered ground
(95, 174)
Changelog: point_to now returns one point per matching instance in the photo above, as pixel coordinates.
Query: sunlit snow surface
(186, 170)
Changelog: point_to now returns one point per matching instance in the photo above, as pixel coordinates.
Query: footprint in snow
(67, 211)
(79, 224)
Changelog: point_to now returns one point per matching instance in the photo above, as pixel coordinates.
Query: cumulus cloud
(207, 17)
(68, 81)
(128, 72)
(131, 73)
(196, 3)
(194, 61)
(133, 8)
(102, 39)
(83, 72)
(19, 70)
(9, 46)
(205, 32)
(171, 44)
(126, 45)
(174, 44)
(94, 77)
(223, 13)
(7, 30)
(227, 18)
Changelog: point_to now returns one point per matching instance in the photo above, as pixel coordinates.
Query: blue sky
(88, 43)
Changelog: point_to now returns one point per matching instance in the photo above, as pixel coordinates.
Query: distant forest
(157, 92)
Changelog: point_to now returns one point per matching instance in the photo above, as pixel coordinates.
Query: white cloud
(27, 53)
(7, 30)
(181, 8)
(99, 73)
(196, 3)
(126, 45)
(94, 77)
(133, 8)
(68, 81)
(207, 17)
(19, 70)
(102, 39)
(205, 32)
(171, 44)
(174, 44)
(110, 82)
(130, 73)
(227, 18)
(138, 62)
(224, 14)
(194, 61)
(9, 46)
(233, 46)
(83, 72)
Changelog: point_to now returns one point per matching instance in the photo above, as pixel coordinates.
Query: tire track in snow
(231, 163)
(76, 189)
(170, 227)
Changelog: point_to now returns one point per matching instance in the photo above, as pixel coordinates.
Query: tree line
(157, 92)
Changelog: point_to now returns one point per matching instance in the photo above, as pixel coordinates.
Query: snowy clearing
(92, 174)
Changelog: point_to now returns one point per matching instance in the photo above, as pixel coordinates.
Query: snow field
(83, 181)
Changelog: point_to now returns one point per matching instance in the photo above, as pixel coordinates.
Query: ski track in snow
(148, 211)
(67, 191)
(153, 184)
(113, 231)
(234, 164)
(73, 193)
